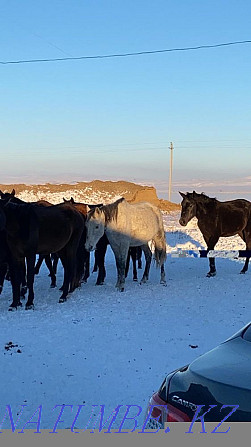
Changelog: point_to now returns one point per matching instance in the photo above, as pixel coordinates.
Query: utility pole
(170, 172)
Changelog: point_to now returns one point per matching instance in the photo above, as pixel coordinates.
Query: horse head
(95, 227)
(7, 195)
(188, 207)
(69, 201)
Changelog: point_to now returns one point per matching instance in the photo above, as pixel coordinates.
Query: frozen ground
(111, 348)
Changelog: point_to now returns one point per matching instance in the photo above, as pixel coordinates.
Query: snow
(104, 347)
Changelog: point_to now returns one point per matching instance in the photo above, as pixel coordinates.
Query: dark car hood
(220, 377)
(229, 363)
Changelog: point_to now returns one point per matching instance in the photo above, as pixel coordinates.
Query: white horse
(128, 225)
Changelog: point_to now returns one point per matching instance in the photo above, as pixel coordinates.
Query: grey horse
(128, 225)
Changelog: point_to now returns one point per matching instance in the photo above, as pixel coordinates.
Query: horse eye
(96, 227)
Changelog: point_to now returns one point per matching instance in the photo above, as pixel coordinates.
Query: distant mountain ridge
(95, 191)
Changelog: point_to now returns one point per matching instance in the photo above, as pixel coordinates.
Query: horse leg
(74, 281)
(75, 250)
(133, 251)
(127, 262)
(82, 263)
(38, 264)
(31, 259)
(95, 268)
(139, 254)
(15, 269)
(121, 256)
(48, 262)
(7, 277)
(210, 246)
(65, 286)
(3, 272)
(86, 265)
(69, 261)
(55, 259)
(160, 254)
(148, 256)
(23, 281)
(246, 236)
(63, 261)
(100, 256)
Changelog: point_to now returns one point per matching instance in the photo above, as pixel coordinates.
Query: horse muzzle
(182, 222)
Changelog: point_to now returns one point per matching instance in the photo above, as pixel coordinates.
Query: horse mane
(110, 211)
(203, 198)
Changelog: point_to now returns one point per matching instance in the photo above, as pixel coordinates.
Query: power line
(138, 53)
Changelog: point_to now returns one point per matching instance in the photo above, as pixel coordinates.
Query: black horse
(47, 258)
(217, 219)
(32, 229)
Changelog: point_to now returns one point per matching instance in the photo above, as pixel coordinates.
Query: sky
(114, 118)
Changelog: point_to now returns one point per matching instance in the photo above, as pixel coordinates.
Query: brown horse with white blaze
(217, 219)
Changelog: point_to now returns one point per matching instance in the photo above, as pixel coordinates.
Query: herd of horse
(69, 231)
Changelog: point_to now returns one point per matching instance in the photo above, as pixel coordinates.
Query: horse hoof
(163, 282)
(122, 289)
(15, 306)
(143, 281)
(53, 286)
(242, 272)
(211, 274)
(11, 308)
(135, 279)
(62, 300)
(29, 306)
(1, 288)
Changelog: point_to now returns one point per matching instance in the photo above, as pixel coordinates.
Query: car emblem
(184, 403)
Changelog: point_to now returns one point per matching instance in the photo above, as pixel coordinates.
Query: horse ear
(64, 200)
(97, 211)
(182, 194)
(13, 192)
(72, 200)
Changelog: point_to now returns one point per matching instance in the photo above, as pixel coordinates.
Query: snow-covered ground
(111, 348)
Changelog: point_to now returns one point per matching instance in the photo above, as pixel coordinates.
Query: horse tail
(160, 243)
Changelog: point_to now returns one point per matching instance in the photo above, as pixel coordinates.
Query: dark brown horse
(51, 267)
(218, 219)
(35, 229)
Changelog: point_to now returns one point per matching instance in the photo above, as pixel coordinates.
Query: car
(220, 378)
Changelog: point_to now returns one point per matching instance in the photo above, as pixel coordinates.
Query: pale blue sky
(114, 118)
